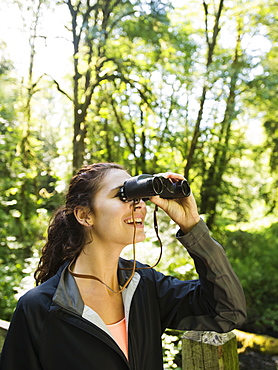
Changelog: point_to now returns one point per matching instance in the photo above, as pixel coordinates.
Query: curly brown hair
(66, 236)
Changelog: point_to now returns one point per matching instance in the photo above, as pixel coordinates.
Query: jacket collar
(67, 294)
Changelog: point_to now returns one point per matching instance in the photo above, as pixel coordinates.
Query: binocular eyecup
(145, 186)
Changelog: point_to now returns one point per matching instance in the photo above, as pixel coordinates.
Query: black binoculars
(145, 186)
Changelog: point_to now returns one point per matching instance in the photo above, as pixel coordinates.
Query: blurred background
(187, 85)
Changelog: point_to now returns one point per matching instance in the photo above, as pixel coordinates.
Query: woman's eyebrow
(117, 188)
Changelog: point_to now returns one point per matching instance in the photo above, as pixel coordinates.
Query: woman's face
(112, 218)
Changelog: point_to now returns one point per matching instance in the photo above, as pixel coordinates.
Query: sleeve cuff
(194, 235)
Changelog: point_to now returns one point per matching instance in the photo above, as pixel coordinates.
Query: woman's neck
(100, 264)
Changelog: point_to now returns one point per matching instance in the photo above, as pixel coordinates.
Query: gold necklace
(92, 277)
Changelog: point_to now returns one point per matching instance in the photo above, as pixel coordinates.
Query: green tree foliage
(254, 256)
(27, 185)
(95, 29)
(263, 88)
(155, 88)
(26, 194)
(135, 124)
(7, 100)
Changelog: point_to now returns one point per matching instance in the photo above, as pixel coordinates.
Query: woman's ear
(84, 216)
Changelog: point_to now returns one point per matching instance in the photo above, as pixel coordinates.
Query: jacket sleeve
(19, 351)
(215, 301)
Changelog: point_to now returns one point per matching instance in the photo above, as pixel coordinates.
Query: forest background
(187, 86)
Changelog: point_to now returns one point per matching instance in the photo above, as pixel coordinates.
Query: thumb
(160, 202)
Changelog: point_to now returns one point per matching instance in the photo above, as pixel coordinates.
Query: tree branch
(58, 87)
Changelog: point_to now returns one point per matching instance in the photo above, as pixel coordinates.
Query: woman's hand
(183, 211)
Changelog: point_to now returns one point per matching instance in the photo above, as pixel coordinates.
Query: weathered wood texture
(209, 351)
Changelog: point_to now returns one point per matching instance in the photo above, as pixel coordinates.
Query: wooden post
(207, 350)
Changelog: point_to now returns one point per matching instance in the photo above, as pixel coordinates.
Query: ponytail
(66, 236)
(64, 243)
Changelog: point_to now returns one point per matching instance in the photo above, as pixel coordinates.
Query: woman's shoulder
(39, 296)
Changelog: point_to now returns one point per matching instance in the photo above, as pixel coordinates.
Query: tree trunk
(211, 187)
(211, 46)
(78, 142)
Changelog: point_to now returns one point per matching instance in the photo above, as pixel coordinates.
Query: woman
(91, 310)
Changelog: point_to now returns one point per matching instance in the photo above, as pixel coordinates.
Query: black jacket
(50, 329)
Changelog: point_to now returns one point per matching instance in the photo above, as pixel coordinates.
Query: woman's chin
(140, 238)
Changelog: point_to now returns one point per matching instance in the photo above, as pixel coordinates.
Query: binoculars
(145, 186)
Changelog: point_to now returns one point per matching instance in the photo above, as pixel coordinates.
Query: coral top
(119, 333)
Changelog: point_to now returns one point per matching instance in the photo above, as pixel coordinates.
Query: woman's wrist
(189, 225)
